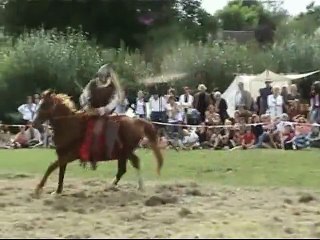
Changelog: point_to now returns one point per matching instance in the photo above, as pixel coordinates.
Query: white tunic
(275, 105)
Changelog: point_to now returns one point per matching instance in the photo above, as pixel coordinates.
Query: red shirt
(248, 138)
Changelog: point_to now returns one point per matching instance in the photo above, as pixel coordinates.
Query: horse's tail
(151, 133)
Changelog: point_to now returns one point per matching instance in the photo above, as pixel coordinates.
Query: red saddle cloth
(85, 149)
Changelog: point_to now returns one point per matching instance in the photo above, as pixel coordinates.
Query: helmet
(105, 71)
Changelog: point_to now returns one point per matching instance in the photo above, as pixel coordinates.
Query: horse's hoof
(37, 192)
(112, 188)
(55, 194)
(141, 189)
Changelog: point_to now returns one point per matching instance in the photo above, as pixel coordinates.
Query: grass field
(238, 168)
(200, 194)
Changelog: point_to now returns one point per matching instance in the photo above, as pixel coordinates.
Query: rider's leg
(98, 127)
(111, 136)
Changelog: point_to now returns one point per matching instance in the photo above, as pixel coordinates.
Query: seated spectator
(202, 135)
(211, 117)
(282, 122)
(4, 139)
(21, 139)
(314, 136)
(270, 138)
(220, 139)
(190, 139)
(236, 136)
(301, 139)
(33, 136)
(287, 136)
(247, 140)
(257, 129)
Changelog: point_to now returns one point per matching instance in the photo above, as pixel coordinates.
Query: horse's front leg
(53, 166)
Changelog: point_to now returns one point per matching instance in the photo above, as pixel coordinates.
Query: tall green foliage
(51, 59)
(220, 60)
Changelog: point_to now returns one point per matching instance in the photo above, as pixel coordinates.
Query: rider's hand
(101, 111)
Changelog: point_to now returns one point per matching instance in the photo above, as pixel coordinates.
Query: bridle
(50, 111)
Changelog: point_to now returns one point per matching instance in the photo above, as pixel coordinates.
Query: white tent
(253, 83)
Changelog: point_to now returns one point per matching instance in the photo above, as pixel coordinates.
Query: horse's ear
(48, 93)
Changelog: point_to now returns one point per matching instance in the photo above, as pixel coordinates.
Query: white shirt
(158, 105)
(140, 104)
(192, 138)
(275, 105)
(27, 111)
(176, 117)
(189, 102)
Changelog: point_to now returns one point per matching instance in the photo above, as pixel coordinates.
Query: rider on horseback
(99, 98)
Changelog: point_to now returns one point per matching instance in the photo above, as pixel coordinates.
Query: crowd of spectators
(276, 119)
(200, 120)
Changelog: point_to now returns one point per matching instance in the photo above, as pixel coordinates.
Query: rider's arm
(85, 96)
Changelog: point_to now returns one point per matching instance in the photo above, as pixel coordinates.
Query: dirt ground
(170, 210)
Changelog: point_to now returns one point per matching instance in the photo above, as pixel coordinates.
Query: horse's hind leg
(135, 162)
(53, 166)
(122, 168)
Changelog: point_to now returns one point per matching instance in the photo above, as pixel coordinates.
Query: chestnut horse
(69, 126)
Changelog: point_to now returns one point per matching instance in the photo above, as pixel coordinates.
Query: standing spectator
(315, 103)
(158, 108)
(221, 106)
(36, 100)
(122, 105)
(201, 101)
(27, 110)
(264, 93)
(243, 97)
(171, 92)
(275, 103)
(174, 114)
(294, 94)
(186, 101)
(140, 107)
(285, 94)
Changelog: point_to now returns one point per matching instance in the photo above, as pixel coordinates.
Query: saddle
(101, 144)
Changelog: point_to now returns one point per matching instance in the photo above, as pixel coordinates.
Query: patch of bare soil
(168, 210)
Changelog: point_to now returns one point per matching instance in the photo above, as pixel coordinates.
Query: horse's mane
(66, 100)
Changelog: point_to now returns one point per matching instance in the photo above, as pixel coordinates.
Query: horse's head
(53, 106)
